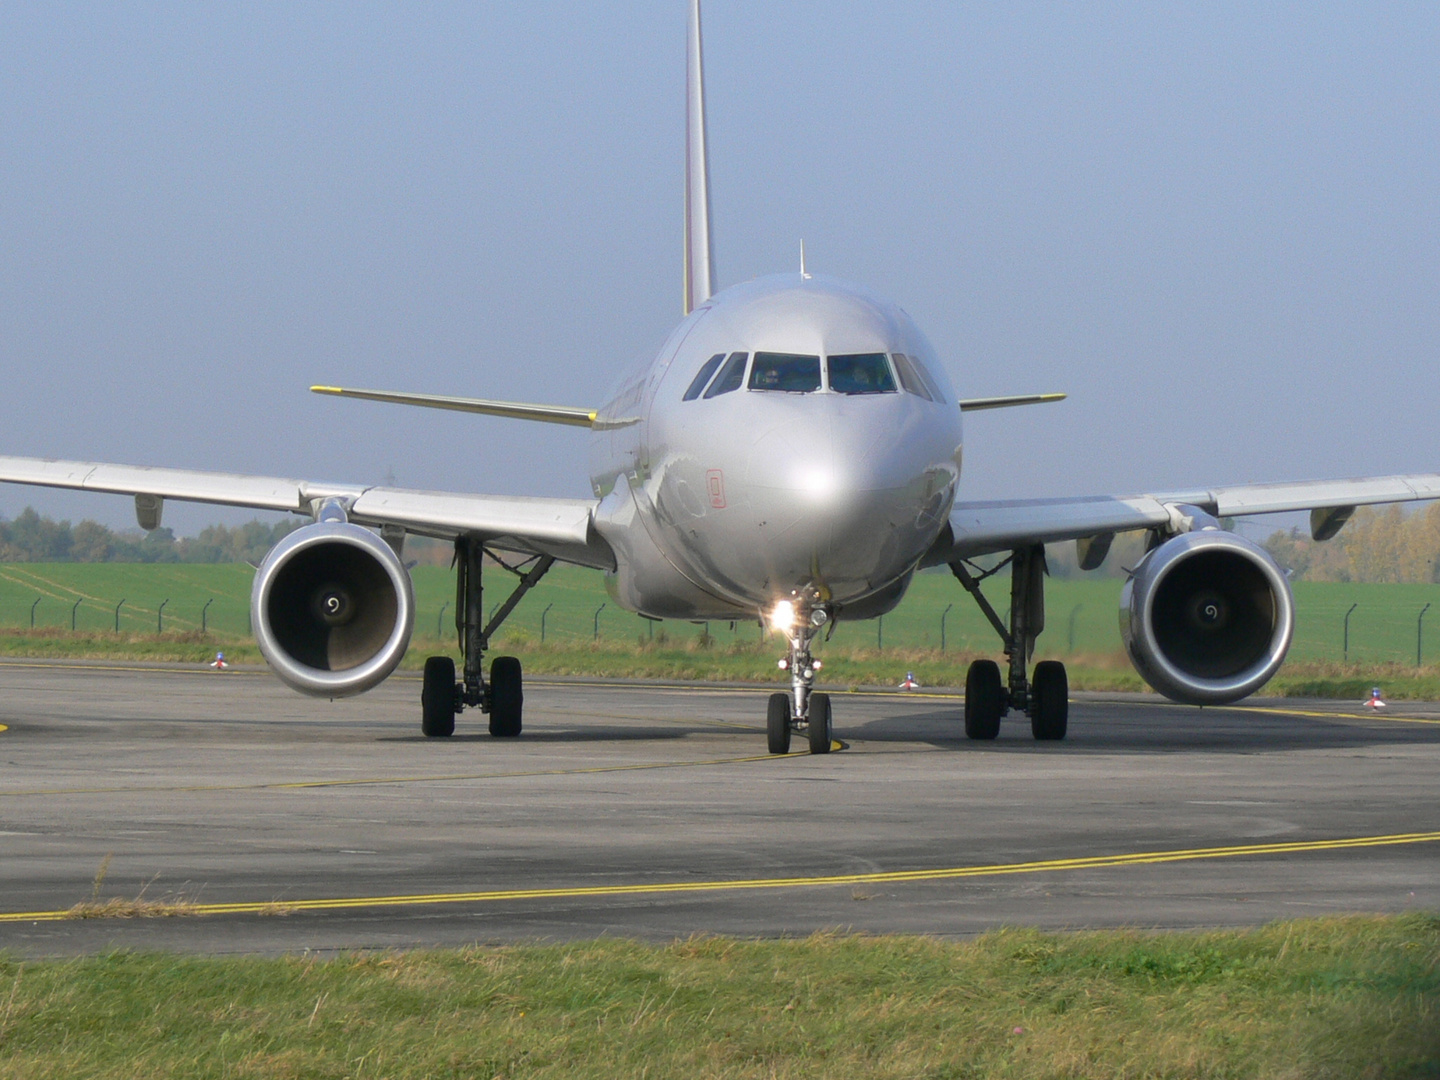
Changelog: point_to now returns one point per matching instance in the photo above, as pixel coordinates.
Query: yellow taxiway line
(717, 688)
(415, 676)
(1368, 715)
(159, 668)
(1093, 862)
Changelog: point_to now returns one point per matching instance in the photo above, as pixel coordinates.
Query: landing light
(783, 617)
(817, 483)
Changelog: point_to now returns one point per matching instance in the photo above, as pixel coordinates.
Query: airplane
(792, 454)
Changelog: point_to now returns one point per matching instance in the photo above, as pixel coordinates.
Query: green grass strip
(1339, 997)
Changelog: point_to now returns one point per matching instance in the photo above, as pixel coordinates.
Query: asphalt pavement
(280, 823)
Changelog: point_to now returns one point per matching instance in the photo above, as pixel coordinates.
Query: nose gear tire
(984, 700)
(437, 698)
(819, 723)
(777, 724)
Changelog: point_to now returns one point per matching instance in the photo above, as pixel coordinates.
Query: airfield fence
(1372, 623)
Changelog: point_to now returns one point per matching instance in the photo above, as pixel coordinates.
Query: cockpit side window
(790, 373)
(860, 373)
(936, 394)
(731, 376)
(703, 376)
(910, 378)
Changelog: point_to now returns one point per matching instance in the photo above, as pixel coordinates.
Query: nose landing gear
(803, 709)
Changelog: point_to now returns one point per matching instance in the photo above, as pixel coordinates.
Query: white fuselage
(718, 507)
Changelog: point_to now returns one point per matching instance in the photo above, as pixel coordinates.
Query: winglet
(699, 260)
(976, 404)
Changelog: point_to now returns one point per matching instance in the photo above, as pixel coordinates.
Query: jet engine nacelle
(332, 609)
(1207, 617)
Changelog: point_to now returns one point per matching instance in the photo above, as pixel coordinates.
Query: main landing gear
(1045, 697)
(803, 709)
(442, 696)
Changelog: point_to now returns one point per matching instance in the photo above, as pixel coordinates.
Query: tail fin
(699, 260)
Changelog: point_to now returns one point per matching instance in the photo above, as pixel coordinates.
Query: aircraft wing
(559, 527)
(980, 528)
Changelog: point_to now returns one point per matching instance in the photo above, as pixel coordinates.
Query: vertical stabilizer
(699, 261)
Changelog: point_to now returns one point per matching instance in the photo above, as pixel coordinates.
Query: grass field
(1082, 614)
(1341, 998)
(584, 633)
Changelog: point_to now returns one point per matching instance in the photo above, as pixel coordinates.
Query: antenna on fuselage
(699, 260)
(803, 274)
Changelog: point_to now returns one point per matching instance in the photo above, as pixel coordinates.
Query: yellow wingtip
(326, 390)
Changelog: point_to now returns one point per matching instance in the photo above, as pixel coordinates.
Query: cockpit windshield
(791, 373)
(860, 373)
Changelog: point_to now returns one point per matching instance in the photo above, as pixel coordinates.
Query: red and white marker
(1375, 702)
(219, 663)
(909, 683)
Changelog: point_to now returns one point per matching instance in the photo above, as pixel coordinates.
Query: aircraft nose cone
(850, 503)
(833, 457)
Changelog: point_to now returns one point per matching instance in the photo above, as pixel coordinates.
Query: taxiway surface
(653, 811)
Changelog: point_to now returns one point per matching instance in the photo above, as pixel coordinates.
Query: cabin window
(789, 373)
(731, 376)
(860, 373)
(910, 378)
(703, 376)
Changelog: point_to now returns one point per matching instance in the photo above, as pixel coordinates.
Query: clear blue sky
(1214, 225)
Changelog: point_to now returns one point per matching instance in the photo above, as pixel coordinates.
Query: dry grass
(117, 907)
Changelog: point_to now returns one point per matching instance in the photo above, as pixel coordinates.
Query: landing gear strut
(1045, 699)
(443, 696)
(803, 709)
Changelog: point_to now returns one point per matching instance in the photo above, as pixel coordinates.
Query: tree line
(32, 538)
(1377, 545)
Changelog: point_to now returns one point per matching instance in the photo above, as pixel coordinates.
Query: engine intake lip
(370, 623)
(1154, 618)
